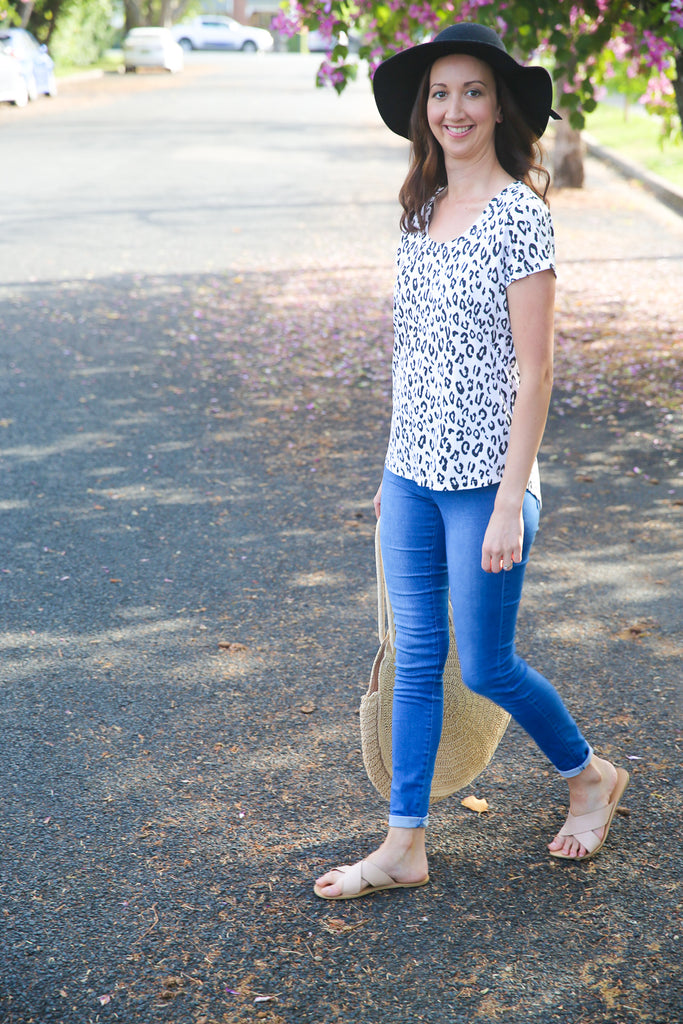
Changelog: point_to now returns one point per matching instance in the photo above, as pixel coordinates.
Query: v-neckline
(467, 231)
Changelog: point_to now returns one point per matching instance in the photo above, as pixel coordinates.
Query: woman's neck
(474, 182)
(469, 191)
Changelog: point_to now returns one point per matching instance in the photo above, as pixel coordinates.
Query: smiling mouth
(458, 129)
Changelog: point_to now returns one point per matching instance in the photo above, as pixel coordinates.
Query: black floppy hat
(397, 80)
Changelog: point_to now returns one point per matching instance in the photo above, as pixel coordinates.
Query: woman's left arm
(531, 302)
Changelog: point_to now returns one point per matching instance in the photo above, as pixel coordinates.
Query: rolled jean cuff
(572, 772)
(402, 821)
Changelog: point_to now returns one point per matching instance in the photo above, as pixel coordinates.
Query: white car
(152, 48)
(213, 32)
(13, 88)
(37, 66)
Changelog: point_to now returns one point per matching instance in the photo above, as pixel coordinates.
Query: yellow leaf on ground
(473, 803)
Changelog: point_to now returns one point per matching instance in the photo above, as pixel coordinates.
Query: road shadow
(188, 605)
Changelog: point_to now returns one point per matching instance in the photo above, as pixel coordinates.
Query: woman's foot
(590, 791)
(402, 856)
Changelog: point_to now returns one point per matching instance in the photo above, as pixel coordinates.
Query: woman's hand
(377, 501)
(502, 546)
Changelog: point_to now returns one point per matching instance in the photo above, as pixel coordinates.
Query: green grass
(111, 61)
(637, 137)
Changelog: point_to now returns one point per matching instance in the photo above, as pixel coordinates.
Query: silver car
(215, 32)
(37, 66)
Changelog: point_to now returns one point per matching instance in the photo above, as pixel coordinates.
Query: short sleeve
(529, 238)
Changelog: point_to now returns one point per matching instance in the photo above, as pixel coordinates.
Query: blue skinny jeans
(431, 545)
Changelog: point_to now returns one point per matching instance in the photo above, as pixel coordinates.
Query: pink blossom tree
(579, 44)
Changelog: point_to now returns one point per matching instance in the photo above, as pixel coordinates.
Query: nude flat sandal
(582, 827)
(363, 879)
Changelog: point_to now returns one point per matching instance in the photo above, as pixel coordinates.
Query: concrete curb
(664, 191)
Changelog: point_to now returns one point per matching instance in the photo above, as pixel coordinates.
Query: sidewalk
(663, 190)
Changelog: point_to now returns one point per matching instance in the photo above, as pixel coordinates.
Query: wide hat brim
(397, 80)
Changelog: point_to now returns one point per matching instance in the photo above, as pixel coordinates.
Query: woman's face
(462, 107)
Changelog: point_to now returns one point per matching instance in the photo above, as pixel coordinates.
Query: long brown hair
(517, 149)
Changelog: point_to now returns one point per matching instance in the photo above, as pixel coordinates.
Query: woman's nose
(455, 107)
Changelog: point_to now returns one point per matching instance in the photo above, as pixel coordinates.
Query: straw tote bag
(472, 725)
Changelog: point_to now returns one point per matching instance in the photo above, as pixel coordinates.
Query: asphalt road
(240, 157)
(194, 338)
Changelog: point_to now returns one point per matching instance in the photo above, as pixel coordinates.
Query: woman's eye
(439, 94)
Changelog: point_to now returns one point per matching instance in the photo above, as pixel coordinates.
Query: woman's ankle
(590, 776)
(405, 838)
(594, 782)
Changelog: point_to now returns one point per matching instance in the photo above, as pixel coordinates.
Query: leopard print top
(455, 376)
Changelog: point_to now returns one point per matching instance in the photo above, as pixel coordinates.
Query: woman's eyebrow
(475, 81)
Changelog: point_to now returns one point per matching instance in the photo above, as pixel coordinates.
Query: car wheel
(21, 94)
(130, 67)
(249, 46)
(186, 45)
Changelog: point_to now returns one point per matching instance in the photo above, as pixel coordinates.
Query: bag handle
(385, 615)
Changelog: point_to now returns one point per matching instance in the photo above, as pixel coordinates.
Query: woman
(472, 376)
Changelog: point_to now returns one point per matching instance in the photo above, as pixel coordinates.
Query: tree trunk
(567, 155)
(133, 14)
(27, 12)
(144, 12)
(178, 9)
(678, 84)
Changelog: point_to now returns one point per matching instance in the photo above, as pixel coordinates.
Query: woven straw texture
(472, 725)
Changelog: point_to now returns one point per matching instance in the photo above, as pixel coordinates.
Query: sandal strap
(582, 826)
(363, 873)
